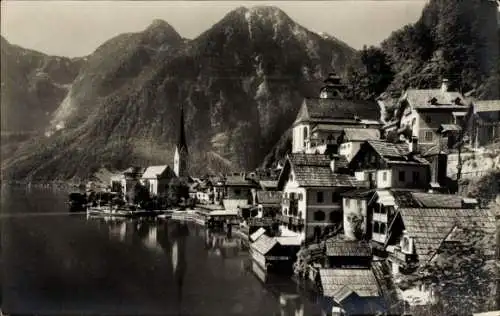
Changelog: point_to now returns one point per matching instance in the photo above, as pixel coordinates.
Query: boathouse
(275, 253)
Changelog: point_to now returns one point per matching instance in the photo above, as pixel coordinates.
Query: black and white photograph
(251, 158)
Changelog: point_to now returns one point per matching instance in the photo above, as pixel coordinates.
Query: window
(382, 228)
(291, 177)
(300, 196)
(428, 136)
(319, 216)
(319, 197)
(347, 202)
(299, 215)
(401, 176)
(286, 211)
(416, 176)
(335, 197)
(360, 204)
(237, 191)
(376, 228)
(384, 176)
(305, 133)
(372, 158)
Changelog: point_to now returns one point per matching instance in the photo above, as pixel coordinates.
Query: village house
(350, 140)
(118, 183)
(157, 178)
(238, 193)
(267, 203)
(132, 179)
(421, 112)
(484, 123)
(274, 253)
(311, 186)
(320, 121)
(387, 165)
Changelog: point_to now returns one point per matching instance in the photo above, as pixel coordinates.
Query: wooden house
(389, 165)
(352, 291)
(275, 253)
(347, 254)
(311, 188)
(483, 123)
(157, 179)
(415, 234)
(238, 193)
(423, 111)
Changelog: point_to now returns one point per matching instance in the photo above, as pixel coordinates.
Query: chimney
(444, 85)
(414, 145)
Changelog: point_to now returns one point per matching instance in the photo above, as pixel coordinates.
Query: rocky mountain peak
(160, 31)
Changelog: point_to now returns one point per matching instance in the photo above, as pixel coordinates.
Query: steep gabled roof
(264, 244)
(301, 159)
(317, 176)
(153, 172)
(429, 227)
(487, 106)
(396, 153)
(420, 99)
(360, 281)
(325, 110)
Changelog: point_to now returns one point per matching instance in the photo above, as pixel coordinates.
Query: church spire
(181, 143)
(181, 150)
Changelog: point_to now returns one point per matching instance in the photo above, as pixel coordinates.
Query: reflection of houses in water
(289, 297)
(178, 255)
(222, 245)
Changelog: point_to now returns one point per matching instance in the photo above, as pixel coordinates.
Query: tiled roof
(419, 99)
(259, 232)
(429, 227)
(361, 134)
(317, 176)
(434, 150)
(359, 193)
(309, 159)
(432, 200)
(289, 240)
(269, 197)
(396, 153)
(360, 281)
(340, 161)
(487, 106)
(153, 172)
(319, 110)
(347, 248)
(264, 244)
(404, 198)
(271, 184)
(328, 127)
(238, 181)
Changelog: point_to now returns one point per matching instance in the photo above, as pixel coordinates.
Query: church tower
(333, 87)
(181, 151)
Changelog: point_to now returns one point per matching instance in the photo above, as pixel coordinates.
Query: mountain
(241, 83)
(33, 85)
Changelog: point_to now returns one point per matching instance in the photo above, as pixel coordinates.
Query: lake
(56, 262)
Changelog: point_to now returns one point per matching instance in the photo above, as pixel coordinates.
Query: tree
(141, 194)
(464, 272)
(178, 189)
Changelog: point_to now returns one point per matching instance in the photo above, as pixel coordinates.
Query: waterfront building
(132, 179)
(238, 193)
(267, 203)
(311, 186)
(275, 253)
(320, 121)
(157, 178)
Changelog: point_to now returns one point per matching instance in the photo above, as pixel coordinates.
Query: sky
(77, 28)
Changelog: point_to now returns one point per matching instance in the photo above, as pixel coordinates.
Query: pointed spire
(182, 135)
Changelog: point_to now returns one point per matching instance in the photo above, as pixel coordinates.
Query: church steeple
(333, 87)
(181, 150)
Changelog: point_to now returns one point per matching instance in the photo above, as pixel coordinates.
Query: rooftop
(435, 99)
(259, 232)
(153, 172)
(336, 282)
(238, 181)
(268, 184)
(396, 153)
(325, 110)
(487, 106)
(347, 248)
(318, 176)
(429, 227)
(264, 244)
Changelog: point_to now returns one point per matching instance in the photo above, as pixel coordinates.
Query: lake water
(56, 262)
